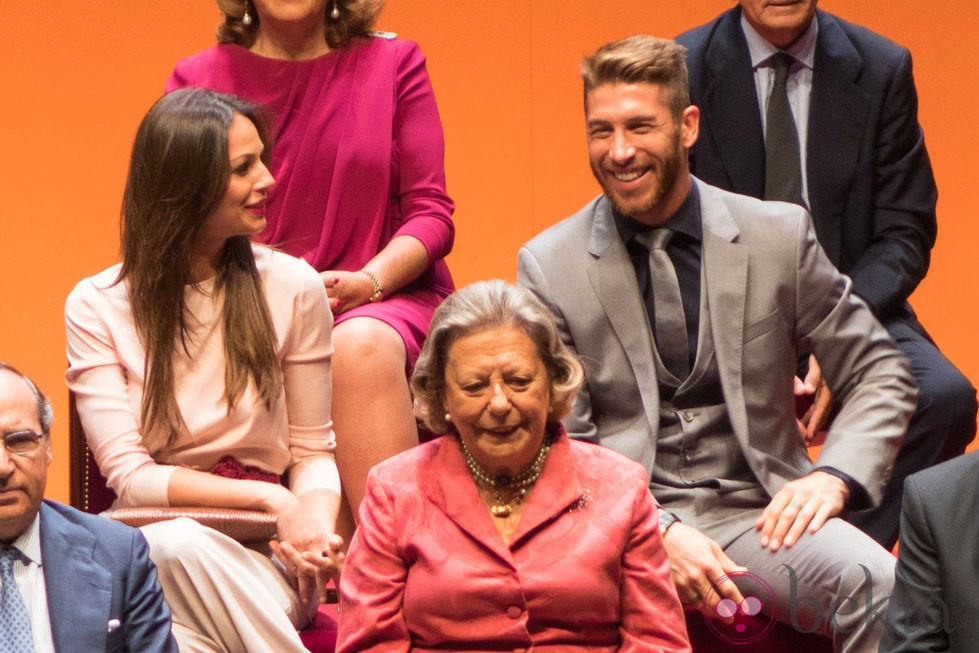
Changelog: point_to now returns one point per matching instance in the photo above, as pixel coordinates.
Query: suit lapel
(557, 490)
(725, 265)
(837, 120)
(734, 121)
(613, 279)
(454, 492)
(79, 590)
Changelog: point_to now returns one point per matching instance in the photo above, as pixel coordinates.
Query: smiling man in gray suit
(83, 583)
(711, 415)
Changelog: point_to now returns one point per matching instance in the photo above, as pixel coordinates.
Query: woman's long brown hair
(178, 174)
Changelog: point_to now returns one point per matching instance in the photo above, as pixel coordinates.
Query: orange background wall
(77, 77)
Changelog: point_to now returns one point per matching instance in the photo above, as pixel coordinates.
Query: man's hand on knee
(697, 565)
(805, 503)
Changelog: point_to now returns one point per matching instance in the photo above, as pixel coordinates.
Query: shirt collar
(686, 219)
(761, 51)
(29, 542)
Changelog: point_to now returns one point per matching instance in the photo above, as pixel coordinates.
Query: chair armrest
(245, 526)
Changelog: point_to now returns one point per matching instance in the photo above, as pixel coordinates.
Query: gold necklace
(507, 489)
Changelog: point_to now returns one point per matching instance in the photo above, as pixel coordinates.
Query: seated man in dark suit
(836, 131)
(70, 581)
(935, 603)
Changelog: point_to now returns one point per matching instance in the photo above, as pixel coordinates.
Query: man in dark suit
(935, 602)
(865, 176)
(710, 413)
(81, 582)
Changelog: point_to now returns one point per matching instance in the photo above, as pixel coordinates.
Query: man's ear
(689, 126)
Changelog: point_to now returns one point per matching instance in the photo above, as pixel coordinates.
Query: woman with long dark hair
(361, 192)
(201, 370)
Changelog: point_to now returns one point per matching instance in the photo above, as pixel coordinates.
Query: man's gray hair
(485, 305)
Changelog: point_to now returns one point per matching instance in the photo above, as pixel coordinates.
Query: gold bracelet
(378, 289)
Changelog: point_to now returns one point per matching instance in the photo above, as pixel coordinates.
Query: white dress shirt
(30, 581)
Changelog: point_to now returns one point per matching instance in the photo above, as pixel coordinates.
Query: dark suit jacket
(935, 602)
(871, 188)
(95, 571)
(770, 291)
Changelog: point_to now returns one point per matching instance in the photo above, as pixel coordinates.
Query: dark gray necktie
(783, 172)
(15, 623)
(670, 325)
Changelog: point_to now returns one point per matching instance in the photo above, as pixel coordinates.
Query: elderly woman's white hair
(485, 305)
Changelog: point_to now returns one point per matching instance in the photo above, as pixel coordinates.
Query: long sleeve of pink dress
(106, 373)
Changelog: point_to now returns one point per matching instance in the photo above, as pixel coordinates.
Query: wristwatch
(666, 519)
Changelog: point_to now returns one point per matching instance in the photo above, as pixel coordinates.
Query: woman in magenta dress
(360, 194)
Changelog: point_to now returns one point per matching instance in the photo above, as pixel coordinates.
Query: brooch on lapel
(582, 501)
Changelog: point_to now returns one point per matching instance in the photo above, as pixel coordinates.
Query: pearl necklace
(507, 489)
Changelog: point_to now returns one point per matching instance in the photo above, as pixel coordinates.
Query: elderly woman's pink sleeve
(652, 617)
(372, 590)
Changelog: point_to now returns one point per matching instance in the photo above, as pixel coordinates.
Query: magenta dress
(358, 160)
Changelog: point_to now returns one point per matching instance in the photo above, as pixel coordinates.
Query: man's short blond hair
(641, 59)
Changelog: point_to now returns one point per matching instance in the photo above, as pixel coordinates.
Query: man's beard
(669, 174)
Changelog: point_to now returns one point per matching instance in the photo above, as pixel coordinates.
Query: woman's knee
(365, 341)
(182, 541)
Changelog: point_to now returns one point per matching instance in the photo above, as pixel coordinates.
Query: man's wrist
(854, 494)
(666, 520)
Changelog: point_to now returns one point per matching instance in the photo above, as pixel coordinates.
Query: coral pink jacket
(586, 569)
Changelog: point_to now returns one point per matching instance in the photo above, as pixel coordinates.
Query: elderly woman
(504, 534)
(201, 368)
(360, 195)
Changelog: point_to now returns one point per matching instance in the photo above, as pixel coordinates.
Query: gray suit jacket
(935, 603)
(771, 291)
(101, 585)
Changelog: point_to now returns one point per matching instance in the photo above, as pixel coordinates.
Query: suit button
(688, 415)
(514, 611)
